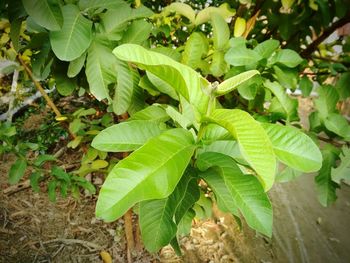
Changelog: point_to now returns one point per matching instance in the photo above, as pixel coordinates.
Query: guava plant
(182, 148)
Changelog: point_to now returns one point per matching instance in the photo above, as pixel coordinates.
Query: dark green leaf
(17, 171)
(34, 181)
(41, 159)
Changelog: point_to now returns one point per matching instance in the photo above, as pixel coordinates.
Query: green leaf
(99, 164)
(182, 9)
(34, 180)
(287, 57)
(126, 136)
(218, 66)
(327, 100)
(233, 82)
(215, 132)
(41, 159)
(342, 172)
(46, 13)
(185, 225)
(253, 141)
(75, 36)
(162, 86)
(93, 4)
(76, 65)
(17, 171)
(242, 56)
(204, 15)
(196, 47)
(236, 190)
(60, 174)
(287, 174)
(137, 32)
(289, 105)
(240, 27)
(127, 79)
(343, 85)
(176, 116)
(294, 148)
(153, 112)
(151, 172)
(65, 86)
(306, 86)
(115, 19)
(338, 124)
(221, 32)
(51, 188)
(156, 216)
(287, 77)
(326, 188)
(15, 31)
(183, 79)
(266, 48)
(100, 70)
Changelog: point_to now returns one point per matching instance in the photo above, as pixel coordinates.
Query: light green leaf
(196, 47)
(215, 132)
(126, 136)
(266, 48)
(100, 71)
(287, 174)
(109, 4)
(327, 100)
(127, 78)
(294, 148)
(238, 42)
(17, 171)
(162, 86)
(183, 79)
(221, 32)
(151, 172)
(326, 188)
(287, 77)
(46, 13)
(235, 189)
(99, 164)
(289, 105)
(76, 65)
(177, 117)
(75, 36)
(218, 66)
(137, 32)
(34, 181)
(153, 112)
(253, 141)
(41, 159)
(242, 56)
(181, 9)
(224, 10)
(287, 57)
(233, 82)
(342, 172)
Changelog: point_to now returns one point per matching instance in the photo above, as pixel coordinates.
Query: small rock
(319, 220)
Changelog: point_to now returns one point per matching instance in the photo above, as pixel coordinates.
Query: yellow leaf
(99, 164)
(240, 25)
(106, 257)
(61, 118)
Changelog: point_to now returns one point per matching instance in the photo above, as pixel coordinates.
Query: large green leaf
(294, 148)
(153, 112)
(46, 13)
(114, 20)
(266, 48)
(182, 78)
(289, 105)
(65, 86)
(100, 71)
(343, 85)
(76, 65)
(236, 189)
(127, 78)
(17, 171)
(287, 57)
(151, 172)
(218, 66)
(242, 56)
(75, 36)
(233, 82)
(126, 136)
(156, 216)
(338, 124)
(92, 4)
(326, 188)
(196, 47)
(253, 141)
(162, 86)
(204, 15)
(137, 32)
(343, 170)
(305, 85)
(221, 32)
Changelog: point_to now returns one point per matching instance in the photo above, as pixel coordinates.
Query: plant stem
(39, 87)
